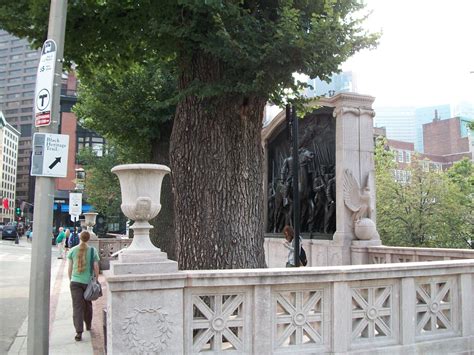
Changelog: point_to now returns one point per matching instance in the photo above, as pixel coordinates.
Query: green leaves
(257, 44)
(432, 208)
(129, 107)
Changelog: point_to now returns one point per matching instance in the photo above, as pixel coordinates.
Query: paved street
(14, 285)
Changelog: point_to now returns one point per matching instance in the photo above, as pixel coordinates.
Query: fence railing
(385, 254)
(108, 247)
(391, 308)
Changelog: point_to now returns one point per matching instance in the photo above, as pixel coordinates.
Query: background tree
(131, 108)
(431, 208)
(230, 57)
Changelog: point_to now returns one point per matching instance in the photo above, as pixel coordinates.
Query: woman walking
(80, 274)
(289, 244)
(60, 241)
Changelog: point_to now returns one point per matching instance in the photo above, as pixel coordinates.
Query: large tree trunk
(162, 234)
(216, 161)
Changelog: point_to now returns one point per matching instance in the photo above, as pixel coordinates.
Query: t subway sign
(45, 83)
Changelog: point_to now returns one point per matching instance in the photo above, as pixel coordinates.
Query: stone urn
(90, 223)
(365, 229)
(140, 185)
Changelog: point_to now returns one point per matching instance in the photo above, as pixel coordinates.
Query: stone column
(354, 151)
(145, 291)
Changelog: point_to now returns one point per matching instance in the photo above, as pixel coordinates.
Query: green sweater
(85, 276)
(60, 237)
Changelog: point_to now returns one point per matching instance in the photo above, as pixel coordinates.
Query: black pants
(81, 309)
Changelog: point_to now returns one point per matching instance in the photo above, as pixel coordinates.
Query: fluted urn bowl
(140, 185)
(90, 218)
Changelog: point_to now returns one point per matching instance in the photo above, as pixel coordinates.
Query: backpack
(303, 259)
(73, 240)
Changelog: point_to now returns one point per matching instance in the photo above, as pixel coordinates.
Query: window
(408, 157)
(15, 56)
(14, 80)
(89, 139)
(14, 87)
(15, 72)
(13, 104)
(29, 77)
(400, 156)
(28, 86)
(31, 54)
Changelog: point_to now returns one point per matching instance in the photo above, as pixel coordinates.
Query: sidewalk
(61, 338)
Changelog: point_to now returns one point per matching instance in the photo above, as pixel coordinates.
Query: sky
(425, 55)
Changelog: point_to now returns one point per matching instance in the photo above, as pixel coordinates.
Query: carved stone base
(359, 251)
(142, 262)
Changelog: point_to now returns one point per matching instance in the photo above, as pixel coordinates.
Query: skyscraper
(18, 66)
(341, 82)
(8, 163)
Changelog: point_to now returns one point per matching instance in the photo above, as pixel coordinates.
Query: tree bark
(162, 234)
(216, 161)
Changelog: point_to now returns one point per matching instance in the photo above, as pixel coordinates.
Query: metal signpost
(293, 127)
(48, 90)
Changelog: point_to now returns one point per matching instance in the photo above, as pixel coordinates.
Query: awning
(65, 207)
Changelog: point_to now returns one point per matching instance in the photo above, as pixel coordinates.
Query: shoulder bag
(93, 290)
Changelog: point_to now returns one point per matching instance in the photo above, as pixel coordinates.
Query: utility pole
(40, 274)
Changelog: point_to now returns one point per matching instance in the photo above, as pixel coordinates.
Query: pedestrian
(74, 238)
(28, 234)
(289, 243)
(60, 240)
(67, 234)
(80, 274)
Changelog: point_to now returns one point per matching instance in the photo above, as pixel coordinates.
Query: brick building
(447, 140)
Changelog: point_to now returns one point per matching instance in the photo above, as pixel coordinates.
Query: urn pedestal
(140, 186)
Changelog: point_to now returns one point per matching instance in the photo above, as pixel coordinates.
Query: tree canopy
(228, 58)
(259, 44)
(431, 208)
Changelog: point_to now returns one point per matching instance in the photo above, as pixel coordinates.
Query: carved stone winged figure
(359, 202)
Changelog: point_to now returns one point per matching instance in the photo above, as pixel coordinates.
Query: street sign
(50, 153)
(44, 84)
(75, 204)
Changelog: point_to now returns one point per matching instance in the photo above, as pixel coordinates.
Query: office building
(18, 66)
(341, 82)
(399, 122)
(9, 138)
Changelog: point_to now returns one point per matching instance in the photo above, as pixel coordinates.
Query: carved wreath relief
(218, 322)
(147, 330)
(299, 318)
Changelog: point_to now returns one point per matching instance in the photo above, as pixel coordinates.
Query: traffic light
(18, 211)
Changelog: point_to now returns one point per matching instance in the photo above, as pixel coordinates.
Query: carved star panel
(218, 322)
(372, 309)
(436, 311)
(299, 318)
